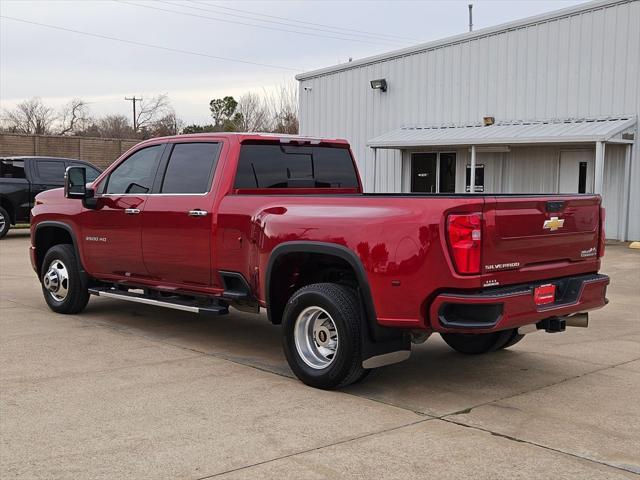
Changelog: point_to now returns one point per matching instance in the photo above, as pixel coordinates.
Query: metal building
(546, 104)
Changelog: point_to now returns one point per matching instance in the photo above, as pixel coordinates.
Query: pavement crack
(321, 447)
(539, 445)
(525, 392)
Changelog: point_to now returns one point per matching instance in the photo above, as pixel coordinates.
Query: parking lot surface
(132, 391)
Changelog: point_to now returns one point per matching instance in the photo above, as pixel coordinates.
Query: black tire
(475, 344)
(5, 222)
(342, 305)
(77, 295)
(512, 340)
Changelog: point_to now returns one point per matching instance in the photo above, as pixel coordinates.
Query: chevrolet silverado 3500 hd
(204, 222)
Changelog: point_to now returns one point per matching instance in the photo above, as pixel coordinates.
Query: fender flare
(69, 230)
(375, 332)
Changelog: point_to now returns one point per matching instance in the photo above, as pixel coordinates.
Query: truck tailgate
(539, 231)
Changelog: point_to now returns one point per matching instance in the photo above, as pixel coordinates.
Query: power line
(293, 23)
(293, 20)
(309, 34)
(149, 45)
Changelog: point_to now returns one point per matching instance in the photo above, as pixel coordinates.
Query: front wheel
(5, 222)
(63, 287)
(474, 344)
(322, 342)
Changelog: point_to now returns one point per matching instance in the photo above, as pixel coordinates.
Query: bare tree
(170, 124)
(283, 108)
(74, 117)
(31, 117)
(150, 110)
(114, 126)
(252, 114)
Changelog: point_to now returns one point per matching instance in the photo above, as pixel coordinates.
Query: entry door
(178, 220)
(433, 172)
(111, 234)
(576, 171)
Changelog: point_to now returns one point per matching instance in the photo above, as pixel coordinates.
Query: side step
(177, 304)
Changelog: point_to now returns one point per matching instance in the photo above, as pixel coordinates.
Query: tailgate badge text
(589, 253)
(502, 266)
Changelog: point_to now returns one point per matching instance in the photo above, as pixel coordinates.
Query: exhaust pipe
(531, 328)
(578, 320)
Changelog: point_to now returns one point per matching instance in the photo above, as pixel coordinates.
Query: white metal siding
(585, 64)
(613, 200)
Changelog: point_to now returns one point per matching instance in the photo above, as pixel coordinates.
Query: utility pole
(134, 100)
(471, 17)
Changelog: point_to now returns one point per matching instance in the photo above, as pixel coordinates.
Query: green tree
(199, 129)
(222, 109)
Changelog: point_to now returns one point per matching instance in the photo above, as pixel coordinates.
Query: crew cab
(22, 178)
(203, 222)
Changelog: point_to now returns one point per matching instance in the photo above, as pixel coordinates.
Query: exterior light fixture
(488, 121)
(380, 84)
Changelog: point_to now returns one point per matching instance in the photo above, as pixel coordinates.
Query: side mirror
(75, 183)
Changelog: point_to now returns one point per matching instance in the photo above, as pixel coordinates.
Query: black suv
(22, 178)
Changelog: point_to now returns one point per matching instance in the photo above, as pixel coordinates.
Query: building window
(433, 172)
(479, 183)
(582, 177)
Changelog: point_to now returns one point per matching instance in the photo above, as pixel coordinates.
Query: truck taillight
(602, 234)
(464, 233)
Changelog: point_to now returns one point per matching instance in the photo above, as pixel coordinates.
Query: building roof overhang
(510, 133)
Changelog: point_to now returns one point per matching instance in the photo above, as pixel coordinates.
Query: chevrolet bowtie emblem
(554, 223)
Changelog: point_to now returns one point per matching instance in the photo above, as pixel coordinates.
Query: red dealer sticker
(544, 294)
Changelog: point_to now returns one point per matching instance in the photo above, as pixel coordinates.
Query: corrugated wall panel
(584, 64)
(633, 92)
(613, 202)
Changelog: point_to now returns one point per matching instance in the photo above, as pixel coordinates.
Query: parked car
(22, 178)
(202, 222)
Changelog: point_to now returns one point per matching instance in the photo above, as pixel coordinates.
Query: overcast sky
(284, 37)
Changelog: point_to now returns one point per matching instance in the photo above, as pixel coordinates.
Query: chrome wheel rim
(2, 222)
(316, 337)
(56, 280)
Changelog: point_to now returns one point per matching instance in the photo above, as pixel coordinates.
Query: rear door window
(50, 171)
(295, 166)
(11, 168)
(190, 168)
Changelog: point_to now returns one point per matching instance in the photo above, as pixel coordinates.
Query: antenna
(471, 17)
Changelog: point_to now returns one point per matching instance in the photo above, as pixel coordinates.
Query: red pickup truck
(203, 222)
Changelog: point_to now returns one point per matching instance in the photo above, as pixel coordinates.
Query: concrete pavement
(132, 391)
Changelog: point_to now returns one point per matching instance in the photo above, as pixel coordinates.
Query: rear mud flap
(393, 346)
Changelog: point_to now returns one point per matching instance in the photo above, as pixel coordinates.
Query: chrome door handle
(197, 213)
(132, 211)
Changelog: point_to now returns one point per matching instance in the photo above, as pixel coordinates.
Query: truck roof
(255, 136)
(36, 157)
